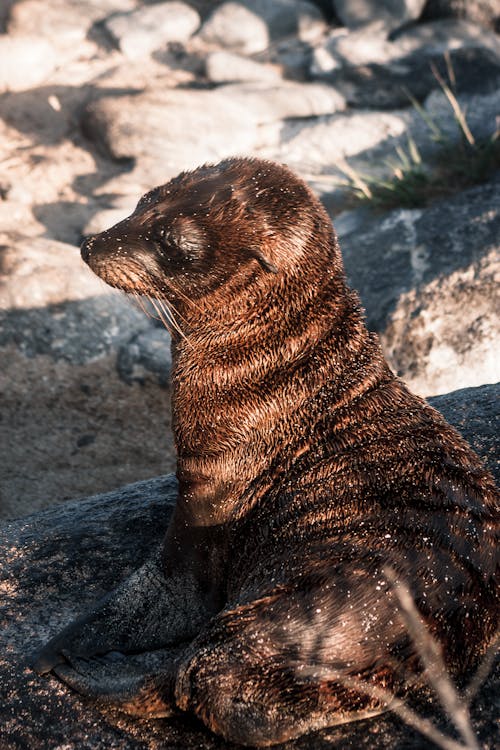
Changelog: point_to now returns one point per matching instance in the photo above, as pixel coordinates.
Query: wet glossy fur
(304, 465)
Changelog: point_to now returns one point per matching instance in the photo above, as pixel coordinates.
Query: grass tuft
(458, 164)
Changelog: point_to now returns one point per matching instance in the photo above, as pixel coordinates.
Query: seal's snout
(86, 248)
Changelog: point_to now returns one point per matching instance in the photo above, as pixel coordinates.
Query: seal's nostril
(86, 248)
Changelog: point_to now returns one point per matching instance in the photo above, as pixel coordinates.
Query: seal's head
(241, 218)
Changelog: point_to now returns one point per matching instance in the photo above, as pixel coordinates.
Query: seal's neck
(247, 387)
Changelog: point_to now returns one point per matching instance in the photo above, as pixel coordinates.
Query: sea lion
(305, 469)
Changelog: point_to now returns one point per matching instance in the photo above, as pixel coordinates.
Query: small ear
(266, 264)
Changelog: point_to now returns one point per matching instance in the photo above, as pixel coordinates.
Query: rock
(294, 57)
(394, 13)
(107, 218)
(374, 86)
(318, 149)
(63, 22)
(52, 304)
(285, 18)
(55, 564)
(446, 332)
(475, 414)
(146, 356)
(66, 401)
(344, 47)
(371, 45)
(445, 34)
(363, 143)
(188, 127)
(427, 280)
(25, 61)
(484, 12)
(40, 272)
(481, 112)
(4, 14)
(235, 27)
(226, 67)
(145, 30)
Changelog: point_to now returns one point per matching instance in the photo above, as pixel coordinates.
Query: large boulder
(169, 130)
(428, 280)
(476, 70)
(25, 61)
(485, 12)
(394, 13)
(149, 28)
(369, 45)
(55, 564)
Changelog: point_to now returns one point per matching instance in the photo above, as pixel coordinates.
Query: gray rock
(289, 17)
(375, 86)
(344, 47)
(326, 150)
(55, 564)
(428, 281)
(475, 414)
(226, 67)
(446, 332)
(371, 45)
(151, 27)
(25, 62)
(445, 34)
(235, 27)
(394, 13)
(170, 130)
(146, 356)
(485, 12)
(72, 420)
(51, 304)
(319, 149)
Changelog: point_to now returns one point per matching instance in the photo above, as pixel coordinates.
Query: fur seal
(305, 469)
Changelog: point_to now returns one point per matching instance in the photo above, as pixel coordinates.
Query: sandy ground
(68, 432)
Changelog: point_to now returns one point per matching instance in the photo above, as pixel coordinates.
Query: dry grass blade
(457, 111)
(357, 181)
(449, 69)
(483, 670)
(405, 713)
(426, 117)
(430, 653)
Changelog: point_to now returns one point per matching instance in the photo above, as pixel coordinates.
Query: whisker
(140, 304)
(169, 324)
(184, 296)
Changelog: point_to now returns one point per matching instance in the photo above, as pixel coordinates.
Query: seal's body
(306, 469)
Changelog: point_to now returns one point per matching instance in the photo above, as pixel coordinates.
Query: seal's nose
(86, 248)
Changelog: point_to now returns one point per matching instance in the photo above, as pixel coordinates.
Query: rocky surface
(55, 563)
(484, 12)
(429, 282)
(101, 99)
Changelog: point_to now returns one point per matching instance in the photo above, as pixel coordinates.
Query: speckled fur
(304, 465)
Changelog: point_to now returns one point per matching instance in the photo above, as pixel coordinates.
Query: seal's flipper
(146, 612)
(141, 685)
(270, 670)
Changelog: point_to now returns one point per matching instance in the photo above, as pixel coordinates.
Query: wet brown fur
(304, 465)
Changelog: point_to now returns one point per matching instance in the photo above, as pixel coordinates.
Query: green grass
(414, 185)
(457, 165)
